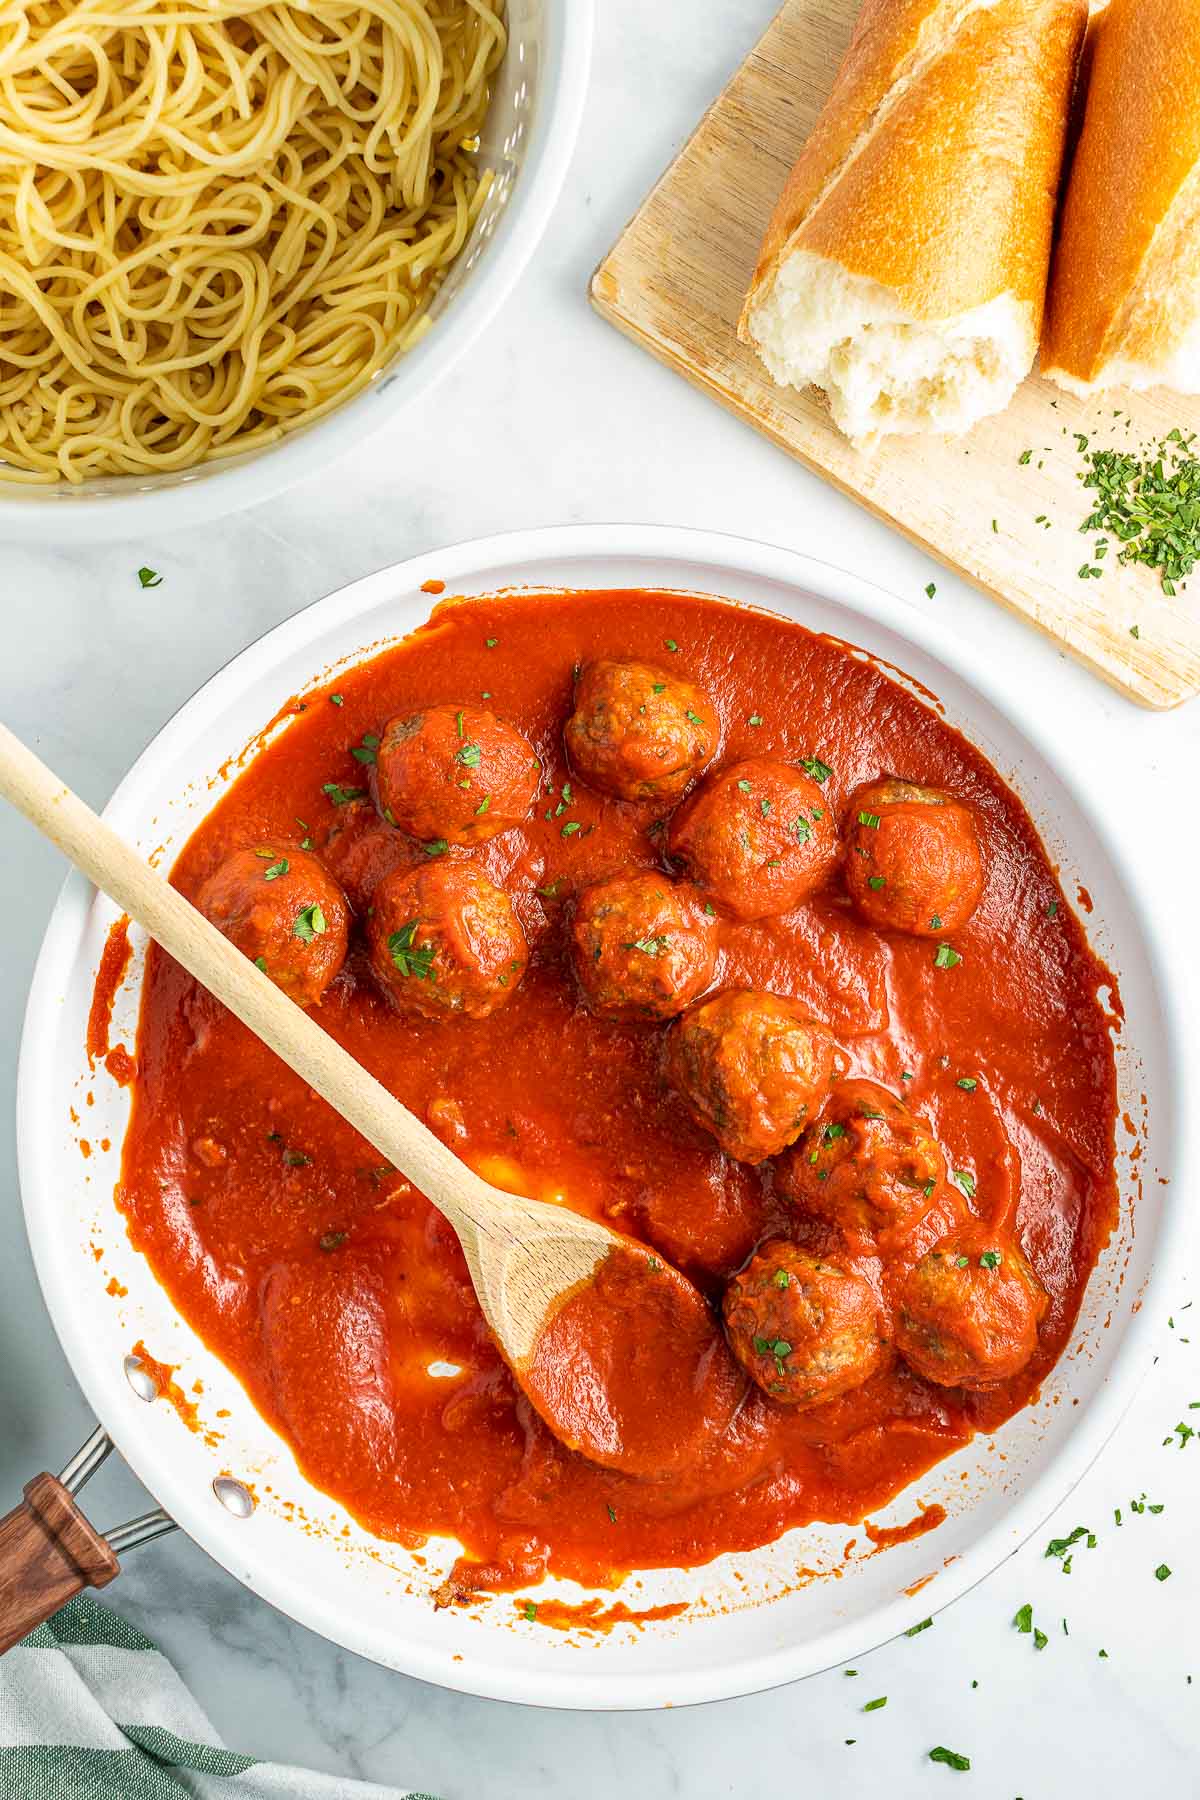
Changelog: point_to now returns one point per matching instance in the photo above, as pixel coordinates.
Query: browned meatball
(644, 948)
(912, 857)
(455, 775)
(805, 1330)
(281, 908)
(867, 1164)
(759, 837)
(359, 849)
(444, 939)
(968, 1313)
(639, 732)
(752, 1068)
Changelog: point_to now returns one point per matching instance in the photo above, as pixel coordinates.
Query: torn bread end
(884, 370)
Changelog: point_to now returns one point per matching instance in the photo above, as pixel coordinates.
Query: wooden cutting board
(675, 283)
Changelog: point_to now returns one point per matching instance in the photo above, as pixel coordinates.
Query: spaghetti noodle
(218, 221)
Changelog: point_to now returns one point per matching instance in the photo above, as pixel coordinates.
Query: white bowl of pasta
(236, 237)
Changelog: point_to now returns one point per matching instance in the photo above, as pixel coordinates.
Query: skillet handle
(48, 1554)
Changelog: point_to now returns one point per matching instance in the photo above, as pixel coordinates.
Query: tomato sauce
(341, 1299)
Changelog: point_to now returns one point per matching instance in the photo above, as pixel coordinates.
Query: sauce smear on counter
(340, 1298)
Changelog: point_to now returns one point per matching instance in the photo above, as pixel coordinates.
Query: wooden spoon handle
(117, 870)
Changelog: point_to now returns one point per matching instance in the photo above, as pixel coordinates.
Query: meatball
(804, 1330)
(752, 1069)
(968, 1313)
(912, 857)
(638, 732)
(359, 849)
(759, 837)
(445, 939)
(644, 948)
(455, 774)
(281, 908)
(867, 1164)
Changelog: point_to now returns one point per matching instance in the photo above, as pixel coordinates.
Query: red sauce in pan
(341, 1300)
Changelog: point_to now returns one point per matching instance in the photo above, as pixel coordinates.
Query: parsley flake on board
(913, 1630)
(875, 1705)
(1150, 503)
(952, 1758)
(149, 578)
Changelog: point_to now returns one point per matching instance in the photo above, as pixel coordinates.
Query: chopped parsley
(310, 924)
(530, 1611)
(1060, 1546)
(968, 1082)
(612, 1514)
(342, 796)
(875, 882)
(469, 756)
(365, 752)
(946, 958)
(277, 869)
(1040, 1640)
(813, 765)
(1023, 1618)
(435, 847)
(870, 820)
(931, 590)
(965, 1180)
(990, 1259)
(913, 1630)
(571, 827)
(952, 1758)
(671, 645)
(695, 718)
(483, 806)
(650, 946)
(754, 719)
(1162, 1573)
(1149, 503)
(743, 787)
(409, 958)
(260, 962)
(337, 700)
(875, 1705)
(149, 578)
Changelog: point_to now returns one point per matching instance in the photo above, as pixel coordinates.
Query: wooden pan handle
(117, 870)
(48, 1554)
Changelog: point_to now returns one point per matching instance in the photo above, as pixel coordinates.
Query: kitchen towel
(89, 1710)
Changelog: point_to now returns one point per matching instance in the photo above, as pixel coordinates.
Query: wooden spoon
(526, 1258)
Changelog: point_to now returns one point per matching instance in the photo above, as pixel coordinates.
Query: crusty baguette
(904, 269)
(1124, 308)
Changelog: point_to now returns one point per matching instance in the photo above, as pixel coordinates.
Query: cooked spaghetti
(219, 220)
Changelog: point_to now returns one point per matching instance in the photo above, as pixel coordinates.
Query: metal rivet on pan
(234, 1497)
(140, 1380)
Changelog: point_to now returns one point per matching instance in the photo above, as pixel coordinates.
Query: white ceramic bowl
(750, 1623)
(528, 140)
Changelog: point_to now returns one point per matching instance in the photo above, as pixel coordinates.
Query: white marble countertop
(567, 421)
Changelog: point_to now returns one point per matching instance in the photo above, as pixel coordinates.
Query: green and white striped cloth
(89, 1710)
